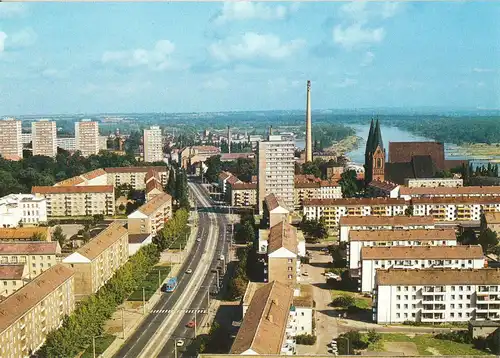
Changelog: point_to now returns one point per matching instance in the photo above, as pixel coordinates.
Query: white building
(378, 188)
(433, 182)
(44, 138)
(333, 209)
(418, 237)
(417, 257)
(136, 241)
(27, 209)
(373, 222)
(153, 145)
(436, 295)
(67, 143)
(450, 192)
(11, 143)
(87, 137)
(461, 208)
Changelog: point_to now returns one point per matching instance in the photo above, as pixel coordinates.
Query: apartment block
(21, 234)
(436, 295)
(135, 176)
(38, 256)
(153, 188)
(283, 246)
(470, 192)
(275, 210)
(267, 324)
(243, 194)
(44, 138)
(460, 208)
(152, 216)
(12, 278)
(153, 145)
(77, 200)
(276, 170)
(25, 209)
(94, 177)
(310, 187)
(333, 209)
(417, 237)
(32, 312)
(417, 257)
(378, 188)
(374, 222)
(492, 221)
(87, 137)
(194, 156)
(433, 182)
(67, 143)
(11, 143)
(98, 260)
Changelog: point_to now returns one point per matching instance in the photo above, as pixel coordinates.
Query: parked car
(179, 343)
(198, 240)
(189, 271)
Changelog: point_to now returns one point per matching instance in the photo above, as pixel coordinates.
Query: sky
(216, 56)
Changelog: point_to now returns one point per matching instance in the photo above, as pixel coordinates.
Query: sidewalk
(135, 316)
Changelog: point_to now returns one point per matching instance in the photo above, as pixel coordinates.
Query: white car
(198, 240)
(189, 271)
(332, 275)
(221, 257)
(179, 343)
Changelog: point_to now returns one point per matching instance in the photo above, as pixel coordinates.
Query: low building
(222, 181)
(483, 329)
(265, 327)
(153, 189)
(433, 182)
(386, 189)
(98, 260)
(229, 157)
(136, 241)
(135, 176)
(417, 257)
(243, 194)
(77, 200)
(32, 312)
(152, 216)
(12, 278)
(333, 209)
(436, 295)
(492, 221)
(39, 256)
(450, 192)
(334, 172)
(194, 156)
(374, 222)
(35, 233)
(94, 177)
(25, 209)
(275, 210)
(461, 208)
(418, 237)
(310, 187)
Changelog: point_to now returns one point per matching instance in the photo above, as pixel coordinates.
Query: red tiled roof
(233, 180)
(11, 272)
(153, 184)
(29, 247)
(402, 152)
(354, 202)
(244, 186)
(94, 174)
(72, 189)
(158, 168)
(383, 185)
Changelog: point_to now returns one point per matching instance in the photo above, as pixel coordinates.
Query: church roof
(370, 138)
(377, 138)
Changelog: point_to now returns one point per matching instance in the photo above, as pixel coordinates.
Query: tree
(467, 237)
(409, 210)
(245, 233)
(59, 236)
(314, 230)
(344, 301)
(38, 236)
(349, 184)
(214, 167)
(170, 188)
(488, 240)
(86, 236)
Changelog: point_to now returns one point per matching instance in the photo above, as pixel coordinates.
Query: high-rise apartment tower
(44, 137)
(87, 137)
(11, 144)
(153, 145)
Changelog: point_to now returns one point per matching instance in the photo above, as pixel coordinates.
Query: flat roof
(438, 277)
(403, 235)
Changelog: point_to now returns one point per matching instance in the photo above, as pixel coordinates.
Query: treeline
(325, 135)
(177, 187)
(87, 321)
(243, 168)
(173, 229)
(236, 147)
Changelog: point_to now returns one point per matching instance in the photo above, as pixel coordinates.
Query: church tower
(374, 155)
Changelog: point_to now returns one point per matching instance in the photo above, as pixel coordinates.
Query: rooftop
(460, 190)
(158, 168)
(153, 184)
(383, 185)
(244, 186)
(354, 202)
(154, 204)
(21, 301)
(438, 277)
(310, 181)
(11, 272)
(492, 218)
(377, 220)
(404, 151)
(137, 238)
(72, 189)
(273, 202)
(94, 174)
(282, 235)
(23, 233)
(102, 241)
(305, 299)
(30, 247)
(457, 200)
(423, 252)
(403, 235)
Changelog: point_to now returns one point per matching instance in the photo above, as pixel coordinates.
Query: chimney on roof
(309, 156)
(229, 138)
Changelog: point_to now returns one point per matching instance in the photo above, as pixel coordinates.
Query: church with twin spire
(374, 154)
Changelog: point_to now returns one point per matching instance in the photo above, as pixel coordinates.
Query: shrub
(373, 336)
(345, 301)
(455, 336)
(306, 339)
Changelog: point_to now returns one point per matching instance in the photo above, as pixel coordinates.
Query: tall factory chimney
(309, 154)
(229, 138)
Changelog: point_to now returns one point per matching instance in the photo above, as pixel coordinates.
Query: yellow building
(29, 314)
(77, 200)
(39, 256)
(12, 278)
(152, 216)
(135, 176)
(97, 261)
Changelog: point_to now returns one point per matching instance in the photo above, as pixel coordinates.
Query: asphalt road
(138, 341)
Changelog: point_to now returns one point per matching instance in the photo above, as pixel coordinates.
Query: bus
(171, 284)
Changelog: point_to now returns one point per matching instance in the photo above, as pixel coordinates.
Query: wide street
(167, 319)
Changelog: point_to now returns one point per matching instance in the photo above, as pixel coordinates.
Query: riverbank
(473, 150)
(345, 145)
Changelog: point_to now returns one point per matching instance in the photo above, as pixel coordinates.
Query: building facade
(12, 278)
(87, 137)
(243, 194)
(77, 200)
(450, 192)
(153, 145)
(374, 154)
(11, 143)
(436, 295)
(433, 182)
(152, 216)
(44, 138)
(135, 176)
(98, 260)
(25, 209)
(308, 187)
(35, 310)
(460, 208)
(67, 143)
(276, 170)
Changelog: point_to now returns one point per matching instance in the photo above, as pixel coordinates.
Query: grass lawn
(150, 283)
(181, 240)
(360, 301)
(101, 344)
(427, 345)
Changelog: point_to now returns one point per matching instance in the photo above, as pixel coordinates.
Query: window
(452, 314)
(397, 315)
(406, 306)
(452, 306)
(452, 288)
(398, 297)
(290, 261)
(398, 288)
(302, 314)
(414, 297)
(290, 276)
(398, 306)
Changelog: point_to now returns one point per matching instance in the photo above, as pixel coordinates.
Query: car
(221, 257)
(325, 249)
(189, 271)
(179, 342)
(198, 240)
(305, 274)
(190, 324)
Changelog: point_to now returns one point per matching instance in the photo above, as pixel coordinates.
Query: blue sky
(191, 57)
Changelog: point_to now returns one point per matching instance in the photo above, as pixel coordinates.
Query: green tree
(344, 301)
(38, 236)
(468, 237)
(349, 184)
(245, 233)
(170, 188)
(214, 167)
(488, 240)
(59, 236)
(86, 236)
(409, 210)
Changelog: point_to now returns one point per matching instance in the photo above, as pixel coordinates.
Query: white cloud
(3, 37)
(23, 38)
(347, 82)
(252, 45)
(362, 11)
(249, 10)
(216, 84)
(158, 58)
(356, 35)
(13, 9)
(367, 59)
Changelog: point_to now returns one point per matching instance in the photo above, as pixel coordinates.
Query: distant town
(225, 241)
